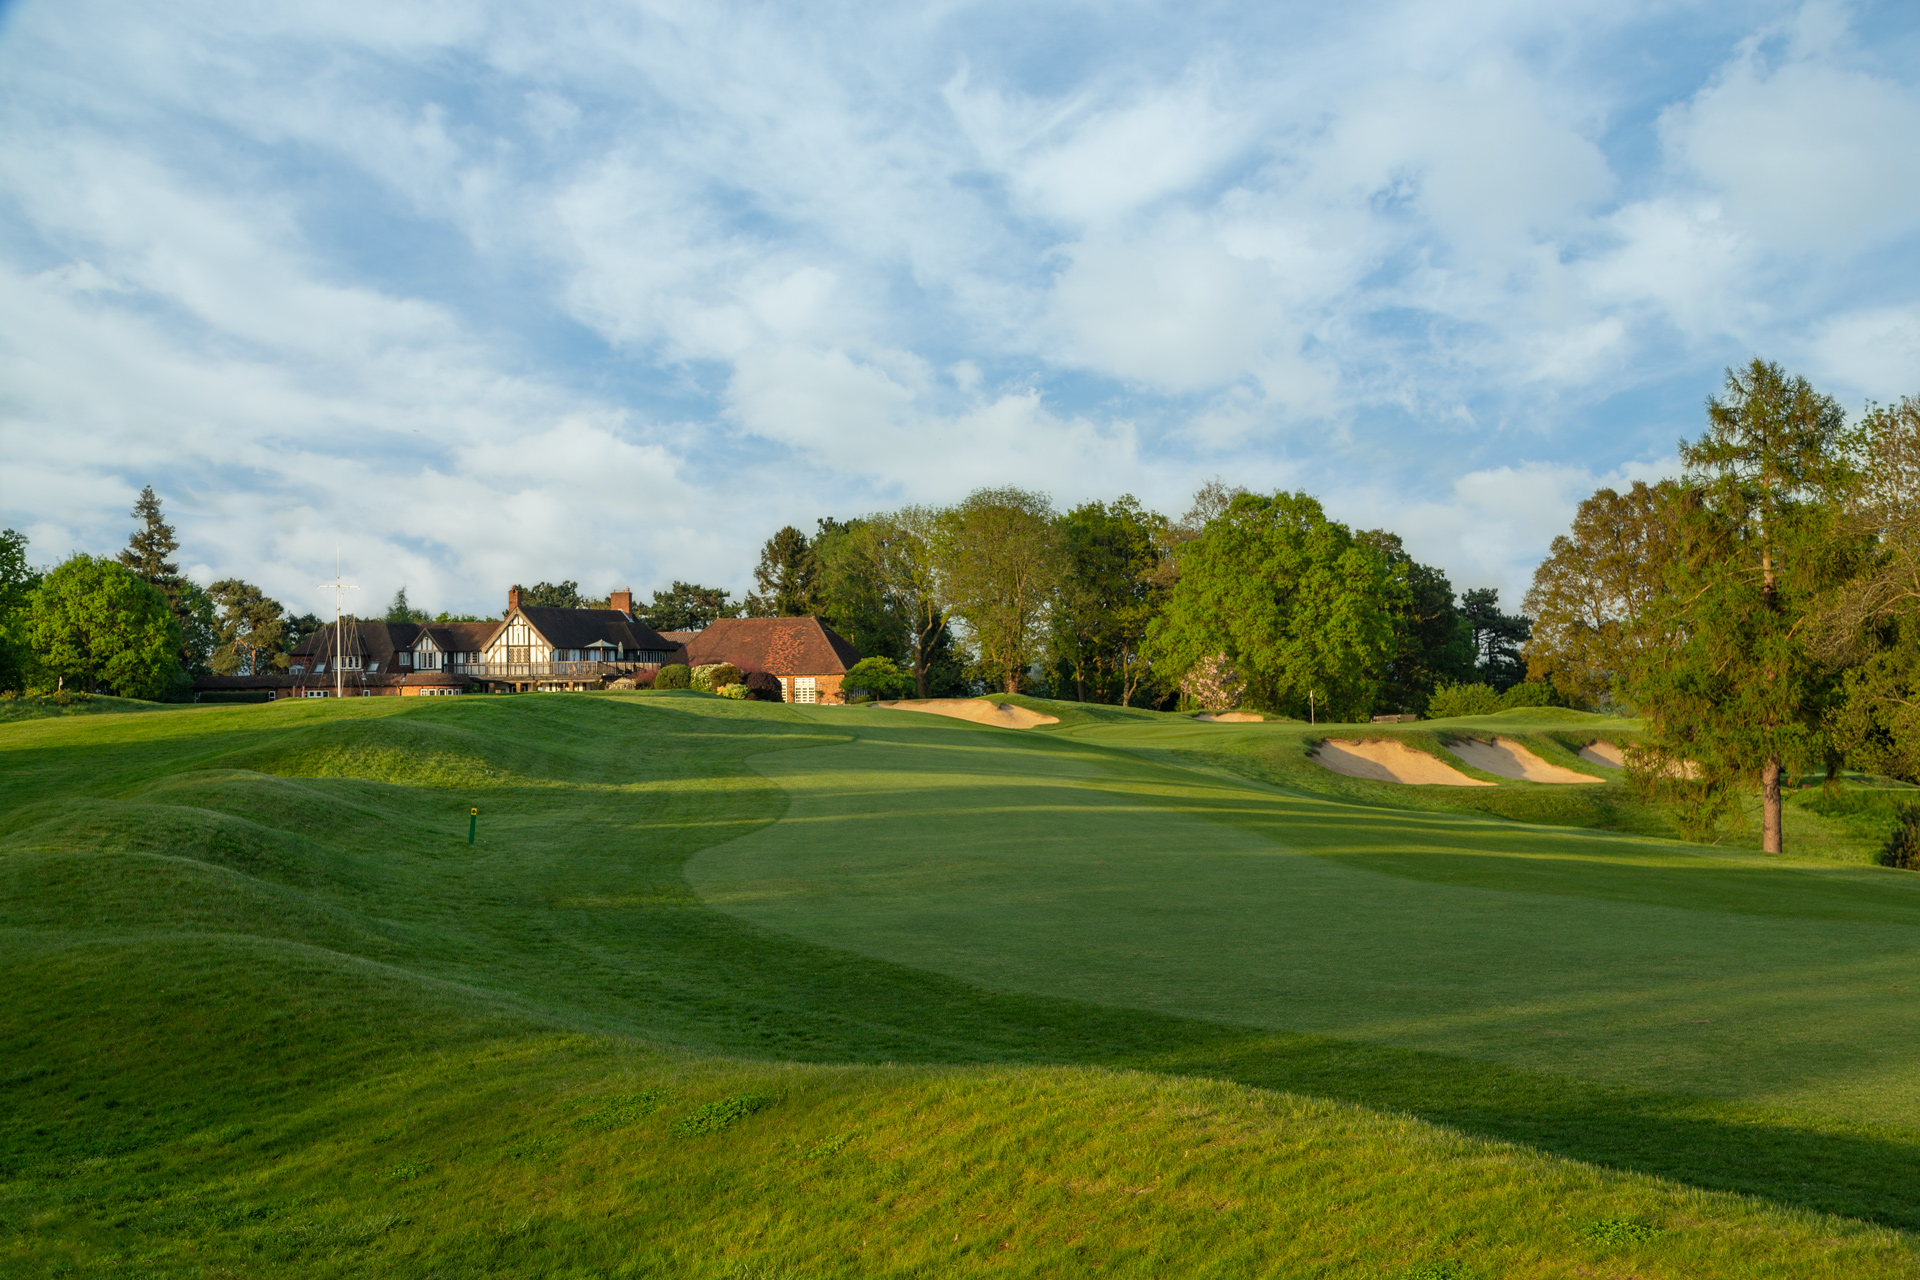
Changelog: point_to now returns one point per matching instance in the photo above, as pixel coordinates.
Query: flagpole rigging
(339, 590)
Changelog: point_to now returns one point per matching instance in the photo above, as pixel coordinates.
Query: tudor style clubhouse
(539, 649)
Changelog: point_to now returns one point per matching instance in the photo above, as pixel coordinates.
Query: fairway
(730, 989)
(1065, 868)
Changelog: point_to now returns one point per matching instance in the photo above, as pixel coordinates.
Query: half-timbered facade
(532, 647)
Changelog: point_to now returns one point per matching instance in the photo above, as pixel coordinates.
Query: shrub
(1462, 700)
(674, 675)
(735, 690)
(765, 687)
(1528, 693)
(1903, 846)
(711, 677)
(876, 677)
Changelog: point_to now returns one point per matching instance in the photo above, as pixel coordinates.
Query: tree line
(1761, 613)
(1247, 599)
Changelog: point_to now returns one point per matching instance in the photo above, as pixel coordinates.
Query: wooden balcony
(540, 670)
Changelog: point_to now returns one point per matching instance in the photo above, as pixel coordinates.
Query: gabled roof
(578, 628)
(462, 637)
(778, 646)
(367, 637)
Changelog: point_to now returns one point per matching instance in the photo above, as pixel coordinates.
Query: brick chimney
(623, 601)
(513, 597)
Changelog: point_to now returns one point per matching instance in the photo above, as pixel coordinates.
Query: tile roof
(778, 646)
(578, 628)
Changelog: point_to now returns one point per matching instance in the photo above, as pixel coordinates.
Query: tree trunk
(1770, 806)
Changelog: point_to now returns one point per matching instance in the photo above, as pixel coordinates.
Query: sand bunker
(1609, 756)
(979, 710)
(1603, 753)
(1231, 717)
(1384, 760)
(1506, 758)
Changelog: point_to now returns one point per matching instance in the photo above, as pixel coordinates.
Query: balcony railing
(539, 670)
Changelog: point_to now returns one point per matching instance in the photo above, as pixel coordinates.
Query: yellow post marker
(473, 822)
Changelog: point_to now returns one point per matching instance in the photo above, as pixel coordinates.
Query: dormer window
(374, 665)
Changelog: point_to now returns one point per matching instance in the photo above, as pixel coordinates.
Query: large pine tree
(152, 545)
(1743, 696)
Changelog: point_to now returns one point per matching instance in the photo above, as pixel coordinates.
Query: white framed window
(805, 689)
(316, 693)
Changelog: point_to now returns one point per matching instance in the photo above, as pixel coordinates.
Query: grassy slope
(268, 1014)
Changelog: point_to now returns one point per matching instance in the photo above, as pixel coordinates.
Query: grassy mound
(269, 1013)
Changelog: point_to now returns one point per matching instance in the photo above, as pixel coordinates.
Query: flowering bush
(711, 677)
(1213, 684)
(736, 690)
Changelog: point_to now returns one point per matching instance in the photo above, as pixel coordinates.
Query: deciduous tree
(1591, 597)
(1432, 641)
(1291, 600)
(18, 581)
(95, 623)
(1109, 596)
(1001, 562)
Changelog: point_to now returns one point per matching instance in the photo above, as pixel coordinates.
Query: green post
(473, 822)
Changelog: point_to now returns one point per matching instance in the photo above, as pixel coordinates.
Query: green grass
(736, 989)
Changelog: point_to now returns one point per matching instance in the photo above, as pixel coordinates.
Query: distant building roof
(778, 646)
(579, 628)
(435, 679)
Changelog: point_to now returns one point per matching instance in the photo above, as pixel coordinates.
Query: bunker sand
(1506, 758)
(1002, 715)
(1603, 753)
(1231, 717)
(1385, 760)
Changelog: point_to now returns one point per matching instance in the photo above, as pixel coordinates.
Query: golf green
(1067, 866)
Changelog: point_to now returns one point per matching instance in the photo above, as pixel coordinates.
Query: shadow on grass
(1803, 1162)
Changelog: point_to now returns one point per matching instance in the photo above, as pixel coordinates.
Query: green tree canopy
(1292, 601)
(1109, 595)
(786, 579)
(252, 632)
(1591, 597)
(18, 580)
(150, 549)
(850, 593)
(1432, 641)
(400, 609)
(901, 550)
(547, 595)
(1872, 624)
(95, 623)
(688, 606)
(1496, 638)
(1743, 695)
(1001, 560)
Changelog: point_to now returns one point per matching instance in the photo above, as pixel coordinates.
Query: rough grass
(268, 1014)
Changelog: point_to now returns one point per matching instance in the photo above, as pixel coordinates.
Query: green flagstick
(473, 822)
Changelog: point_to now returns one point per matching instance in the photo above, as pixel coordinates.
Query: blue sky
(610, 292)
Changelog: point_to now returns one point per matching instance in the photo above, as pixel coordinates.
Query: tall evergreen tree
(786, 580)
(1744, 696)
(1497, 638)
(688, 606)
(252, 632)
(149, 551)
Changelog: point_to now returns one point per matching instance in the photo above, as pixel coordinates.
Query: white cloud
(1810, 155)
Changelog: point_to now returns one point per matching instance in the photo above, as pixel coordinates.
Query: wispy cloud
(485, 292)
